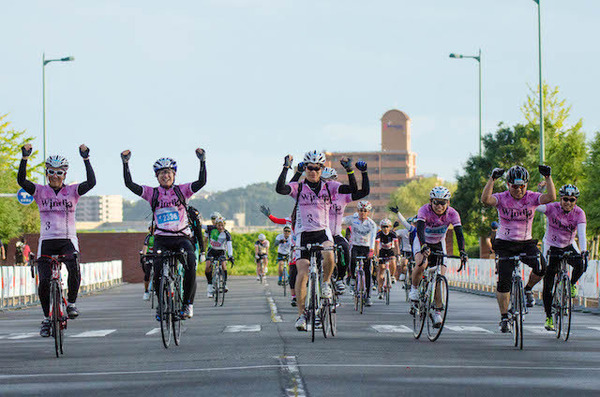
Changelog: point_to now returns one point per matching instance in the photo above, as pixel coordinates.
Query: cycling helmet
(494, 225)
(385, 222)
(440, 192)
(288, 228)
(164, 163)
(261, 237)
(364, 205)
(329, 173)
(215, 215)
(517, 175)
(220, 219)
(57, 161)
(568, 190)
(314, 157)
(412, 219)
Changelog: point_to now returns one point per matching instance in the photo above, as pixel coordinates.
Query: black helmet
(568, 190)
(517, 175)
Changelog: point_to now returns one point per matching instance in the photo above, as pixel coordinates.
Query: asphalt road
(243, 349)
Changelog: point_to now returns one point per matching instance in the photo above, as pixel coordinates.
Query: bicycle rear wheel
(441, 304)
(221, 287)
(566, 307)
(164, 305)
(313, 306)
(387, 286)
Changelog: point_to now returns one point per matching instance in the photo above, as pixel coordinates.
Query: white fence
(18, 288)
(480, 276)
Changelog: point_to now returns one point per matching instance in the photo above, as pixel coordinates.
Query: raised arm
(282, 187)
(299, 170)
(352, 187)
(27, 185)
(550, 194)
(134, 187)
(90, 181)
(401, 218)
(364, 189)
(486, 195)
(199, 184)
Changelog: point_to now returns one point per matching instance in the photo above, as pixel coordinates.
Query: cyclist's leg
(224, 267)
(146, 267)
(505, 269)
(45, 274)
(301, 280)
(393, 266)
(265, 268)
(293, 275)
(74, 277)
(577, 265)
(280, 268)
(354, 254)
(380, 276)
(208, 271)
(538, 265)
(551, 271)
(189, 276)
(364, 251)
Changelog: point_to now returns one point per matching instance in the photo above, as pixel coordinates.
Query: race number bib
(166, 217)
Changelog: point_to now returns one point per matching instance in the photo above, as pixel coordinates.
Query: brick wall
(100, 247)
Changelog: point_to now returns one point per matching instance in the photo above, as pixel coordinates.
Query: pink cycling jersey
(336, 212)
(436, 225)
(170, 215)
(516, 216)
(562, 225)
(57, 212)
(313, 210)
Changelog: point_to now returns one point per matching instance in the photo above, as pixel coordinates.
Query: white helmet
(385, 222)
(314, 157)
(215, 215)
(220, 219)
(261, 237)
(57, 161)
(329, 173)
(440, 192)
(287, 228)
(164, 163)
(364, 205)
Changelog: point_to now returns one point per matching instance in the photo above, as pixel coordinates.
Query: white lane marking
(466, 328)
(595, 328)
(242, 328)
(294, 386)
(537, 329)
(275, 317)
(23, 335)
(333, 365)
(94, 334)
(153, 331)
(385, 328)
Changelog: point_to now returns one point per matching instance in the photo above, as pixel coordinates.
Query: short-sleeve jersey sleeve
(147, 192)
(294, 187)
(454, 217)
(581, 218)
(422, 213)
(186, 190)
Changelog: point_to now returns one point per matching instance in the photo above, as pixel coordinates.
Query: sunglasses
(363, 210)
(570, 200)
(518, 187)
(385, 227)
(440, 202)
(56, 172)
(311, 168)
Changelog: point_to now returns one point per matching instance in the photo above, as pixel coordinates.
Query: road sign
(24, 197)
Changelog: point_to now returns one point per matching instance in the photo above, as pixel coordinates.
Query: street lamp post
(44, 63)
(542, 150)
(478, 59)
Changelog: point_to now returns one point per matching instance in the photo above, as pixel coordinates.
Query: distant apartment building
(388, 169)
(100, 209)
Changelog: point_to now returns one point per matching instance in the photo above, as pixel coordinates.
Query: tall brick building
(388, 169)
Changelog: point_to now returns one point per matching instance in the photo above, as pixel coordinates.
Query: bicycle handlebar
(463, 261)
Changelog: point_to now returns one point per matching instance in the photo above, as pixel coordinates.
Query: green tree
(15, 219)
(410, 197)
(590, 188)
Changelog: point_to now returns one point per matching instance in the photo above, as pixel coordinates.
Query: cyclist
(147, 262)
(364, 231)
(386, 248)
(313, 201)
(283, 242)
(565, 219)
(219, 243)
(261, 255)
(406, 239)
(336, 214)
(433, 220)
(516, 207)
(57, 203)
(170, 218)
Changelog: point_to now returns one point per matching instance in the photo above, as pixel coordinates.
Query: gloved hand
(26, 150)
(396, 224)
(125, 156)
(232, 261)
(84, 151)
(545, 170)
(497, 173)
(201, 154)
(288, 160)
(394, 209)
(463, 256)
(265, 210)
(346, 162)
(361, 165)
(301, 166)
(425, 250)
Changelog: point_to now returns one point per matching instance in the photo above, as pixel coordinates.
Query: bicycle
(315, 305)
(386, 287)
(408, 276)
(262, 276)
(146, 260)
(433, 296)
(561, 296)
(360, 291)
(219, 285)
(285, 275)
(517, 309)
(58, 303)
(170, 295)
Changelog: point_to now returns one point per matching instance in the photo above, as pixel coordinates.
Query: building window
(393, 170)
(395, 157)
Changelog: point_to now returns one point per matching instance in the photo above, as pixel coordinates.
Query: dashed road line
(466, 328)
(94, 334)
(293, 383)
(385, 328)
(153, 331)
(242, 328)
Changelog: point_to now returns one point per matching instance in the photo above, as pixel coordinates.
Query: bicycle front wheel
(518, 314)
(325, 316)
(221, 287)
(55, 306)
(557, 306)
(566, 307)
(216, 286)
(284, 280)
(361, 293)
(333, 316)
(164, 305)
(387, 286)
(313, 306)
(176, 312)
(438, 309)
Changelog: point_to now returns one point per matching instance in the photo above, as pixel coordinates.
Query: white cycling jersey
(363, 232)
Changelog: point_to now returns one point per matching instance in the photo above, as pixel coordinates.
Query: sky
(252, 80)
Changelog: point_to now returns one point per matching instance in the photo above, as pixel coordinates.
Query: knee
(503, 285)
